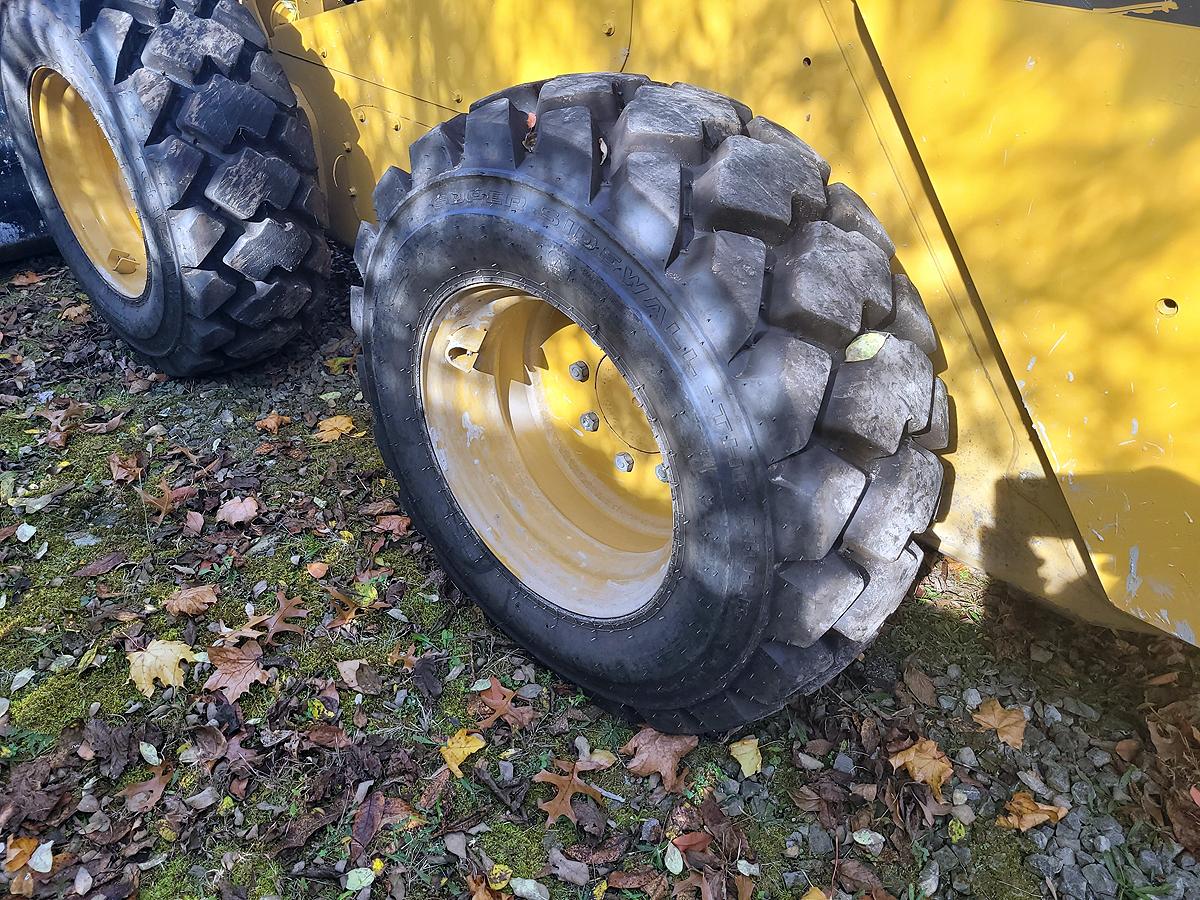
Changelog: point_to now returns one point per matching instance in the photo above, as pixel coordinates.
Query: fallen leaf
(160, 660)
(318, 569)
(80, 314)
(1128, 749)
(815, 893)
(270, 625)
(272, 423)
(102, 566)
(125, 468)
(926, 763)
(461, 745)
(193, 523)
(920, 685)
(1009, 724)
(17, 853)
(27, 279)
(144, 795)
(360, 676)
(655, 752)
(331, 429)
(236, 669)
(567, 870)
(357, 879)
(191, 601)
(1164, 679)
(567, 785)
(747, 754)
(168, 498)
(395, 526)
(237, 510)
(1024, 812)
(500, 701)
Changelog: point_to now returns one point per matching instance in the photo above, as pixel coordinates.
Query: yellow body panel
(1023, 205)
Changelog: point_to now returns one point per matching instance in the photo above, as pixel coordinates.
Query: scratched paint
(1133, 581)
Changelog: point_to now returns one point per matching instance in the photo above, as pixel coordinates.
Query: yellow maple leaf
(1024, 812)
(159, 660)
(747, 755)
(461, 745)
(925, 763)
(1009, 724)
(331, 429)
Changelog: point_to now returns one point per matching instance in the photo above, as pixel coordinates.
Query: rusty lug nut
(589, 421)
(661, 471)
(624, 462)
(579, 370)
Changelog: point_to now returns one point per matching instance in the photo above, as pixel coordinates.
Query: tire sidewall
(704, 623)
(33, 37)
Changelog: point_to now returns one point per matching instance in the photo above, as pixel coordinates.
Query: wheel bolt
(661, 471)
(624, 462)
(579, 370)
(589, 421)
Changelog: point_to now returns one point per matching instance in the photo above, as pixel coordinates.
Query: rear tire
(783, 366)
(216, 154)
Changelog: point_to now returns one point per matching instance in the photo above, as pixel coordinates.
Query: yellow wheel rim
(88, 182)
(547, 451)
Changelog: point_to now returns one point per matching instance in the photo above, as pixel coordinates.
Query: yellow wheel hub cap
(88, 182)
(547, 451)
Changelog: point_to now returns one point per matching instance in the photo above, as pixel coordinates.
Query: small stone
(959, 798)
(810, 763)
(794, 879)
(820, 843)
(1031, 780)
(1101, 881)
(964, 814)
(1081, 709)
(1058, 778)
(960, 884)
(1039, 837)
(954, 671)
(1051, 715)
(1099, 758)
(843, 763)
(927, 881)
(1046, 866)
(1039, 654)
(1082, 793)
(972, 698)
(1149, 863)
(966, 756)
(734, 807)
(946, 859)
(1072, 883)
(650, 831)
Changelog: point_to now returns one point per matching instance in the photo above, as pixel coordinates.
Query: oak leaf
(926, 763)
(567, 786)
(235, 669)
(1024, 812)
(144, 795)
(500, 700)
(28, 279)
(654, 752)
(125, 468)
(160, 660)
(167, 500)
(270, 625)
(237, 510)
(272, 423)
(461, 745)
(395, 526)
(1009, 724)
(191, 601)
(331, 429)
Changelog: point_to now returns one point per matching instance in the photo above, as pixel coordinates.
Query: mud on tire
(219, 159)
(757, 308)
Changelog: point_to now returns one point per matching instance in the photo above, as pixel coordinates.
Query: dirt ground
(229, 667)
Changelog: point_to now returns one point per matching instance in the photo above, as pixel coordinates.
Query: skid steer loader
(671, 401)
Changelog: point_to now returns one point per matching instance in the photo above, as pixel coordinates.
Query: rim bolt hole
(589, 421)
(661, 471)
(579, 370)
(624, 462)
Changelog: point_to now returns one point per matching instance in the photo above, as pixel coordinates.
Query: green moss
(516, 846)
(171, 881)
(57, 700)
(997, 871)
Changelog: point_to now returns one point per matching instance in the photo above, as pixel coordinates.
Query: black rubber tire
(219, 159)
(702, 249)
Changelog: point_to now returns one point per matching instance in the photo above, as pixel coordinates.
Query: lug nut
(624, 462)
(661, 471)
(589, 421)
(579, 370)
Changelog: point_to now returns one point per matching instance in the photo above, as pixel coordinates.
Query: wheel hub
(547, 450)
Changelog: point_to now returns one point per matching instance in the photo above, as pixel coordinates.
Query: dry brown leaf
(567, 786)
(28, 279)
(318, 569)
(926, 763)
(331, 429)
(235, 669)
(168, 498)
(193, 523)
(144, 795)
(1024, 812)
(655, 752)
(500, 701)
(102, 566)
(272, 423)
(80, 314)
(394, 526)
(1128, 749)
(237, 510)
(191, 601)
(125, 468)
(920, 685)
(1009, 724)
(160, 660)
(269, 625)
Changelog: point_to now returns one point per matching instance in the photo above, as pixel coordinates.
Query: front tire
(175, 172)
(753, 313)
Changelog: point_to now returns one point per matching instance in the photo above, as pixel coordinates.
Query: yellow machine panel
(1016, 153)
